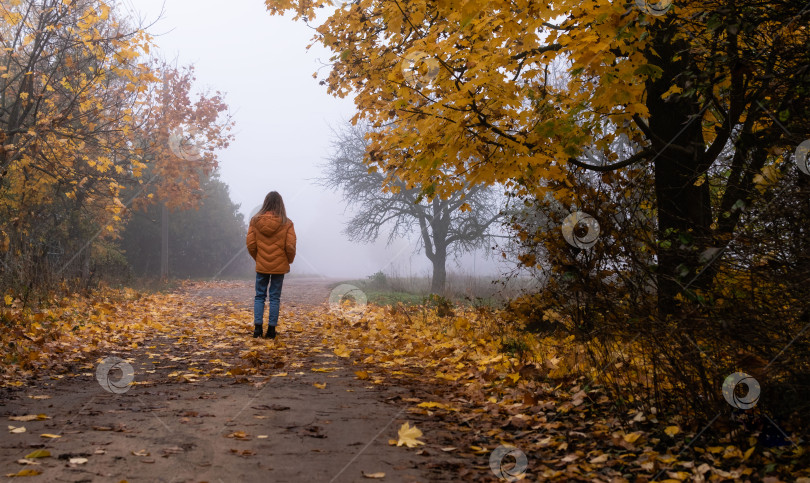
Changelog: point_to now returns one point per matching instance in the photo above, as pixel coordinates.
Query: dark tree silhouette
(446, 227)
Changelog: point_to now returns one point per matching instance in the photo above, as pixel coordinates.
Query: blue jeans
(262, 280)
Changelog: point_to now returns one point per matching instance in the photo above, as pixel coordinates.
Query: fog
(282, 131)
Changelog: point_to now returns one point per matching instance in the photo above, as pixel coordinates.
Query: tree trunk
(439, 279)
(684, 205)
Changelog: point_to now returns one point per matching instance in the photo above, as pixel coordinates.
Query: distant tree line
(205, 242)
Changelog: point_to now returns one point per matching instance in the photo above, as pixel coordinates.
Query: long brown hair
(274, 204)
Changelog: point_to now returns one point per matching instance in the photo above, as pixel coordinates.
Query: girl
(271, 242)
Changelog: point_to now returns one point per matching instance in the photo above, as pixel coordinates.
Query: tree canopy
(85, 113)
(493, 92)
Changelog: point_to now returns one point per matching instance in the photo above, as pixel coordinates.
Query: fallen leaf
(25, 472)
(16, 430)
(41, 396)
(408, 436)
(49, 435)
(342, 351)
(599, 459)
(430, 404)
(261, 436)
(27, 462)
(320, 386)
(166, 452)
(672, 430)
(40, 453)
(142, 452)
(378, 474)
(271, 407)
(748, 453)
(362, 375)
(29, 417)
(238, 435)
(77, 461)
(632, 437)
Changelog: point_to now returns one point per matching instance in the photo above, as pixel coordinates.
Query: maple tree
(511, 92)
(673, 125)
(85, 114)
(181, 134)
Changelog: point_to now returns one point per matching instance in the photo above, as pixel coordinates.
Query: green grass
(393, 298)
(381, 294)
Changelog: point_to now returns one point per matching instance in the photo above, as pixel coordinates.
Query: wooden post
(164, 219)
(164, 248)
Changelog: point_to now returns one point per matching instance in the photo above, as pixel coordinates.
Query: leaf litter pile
(473, 395)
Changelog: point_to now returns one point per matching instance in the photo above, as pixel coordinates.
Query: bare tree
(452, 226)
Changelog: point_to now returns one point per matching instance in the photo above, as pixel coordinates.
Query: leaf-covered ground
(394, 394)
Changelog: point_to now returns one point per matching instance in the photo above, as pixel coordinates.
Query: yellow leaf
(430, 404)
(324, 369)
(667, 458)
(29, 417)
(16, 430)
(362, 375)
(408, 436)
(672, 430)
(25, 472)
(714, 449)
(49, 435)
(342, 351)
(40, 453)
(320, 385)
(379, 474)
(748, 452)
(9, 299)
(632, 437)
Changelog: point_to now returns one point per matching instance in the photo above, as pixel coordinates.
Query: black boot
(257, 330)
(271, 332)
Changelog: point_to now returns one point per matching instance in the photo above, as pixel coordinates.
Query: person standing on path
(271, 242)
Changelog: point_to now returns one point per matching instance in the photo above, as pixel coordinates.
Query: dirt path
(296, 292)
(186, 419)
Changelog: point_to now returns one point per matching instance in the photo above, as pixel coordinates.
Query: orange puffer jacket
(271, 244)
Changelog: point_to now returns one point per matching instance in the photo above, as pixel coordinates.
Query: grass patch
(385, 290)
(393, 298)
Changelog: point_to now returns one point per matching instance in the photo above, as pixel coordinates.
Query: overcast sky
(283, 120)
